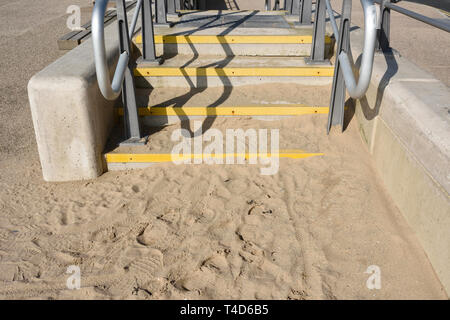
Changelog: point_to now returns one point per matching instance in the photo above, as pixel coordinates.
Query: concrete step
(212, 71)
(237, 42)
(161, 142)
(164, 106)
(119, 160)
(154, 116)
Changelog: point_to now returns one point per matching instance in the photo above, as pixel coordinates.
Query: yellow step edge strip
(230, 39)
(293, 110)
(167, 157)
(235, 72)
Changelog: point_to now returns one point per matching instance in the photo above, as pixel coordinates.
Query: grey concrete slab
(404, 119)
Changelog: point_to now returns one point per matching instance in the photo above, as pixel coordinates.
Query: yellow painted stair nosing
(168, 157)
(232, 39)
(305, 71)
(287, 110)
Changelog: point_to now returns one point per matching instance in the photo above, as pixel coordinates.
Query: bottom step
(221, 141)
(125, 161)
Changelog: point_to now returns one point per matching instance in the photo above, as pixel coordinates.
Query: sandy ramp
(220, 231)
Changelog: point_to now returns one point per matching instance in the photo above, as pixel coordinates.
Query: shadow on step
(201, 84)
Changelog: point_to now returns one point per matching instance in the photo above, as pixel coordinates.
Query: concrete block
(72, 120)
(404, 119)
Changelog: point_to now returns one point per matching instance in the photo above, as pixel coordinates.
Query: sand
(200, 231)
(216, 231)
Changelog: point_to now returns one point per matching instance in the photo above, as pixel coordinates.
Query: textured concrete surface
(404, 119)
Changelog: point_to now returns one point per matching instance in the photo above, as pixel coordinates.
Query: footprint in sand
(256, 229)
(197, 280)
(217, 263)
(172, 217)
(143, 262)
(153, 235)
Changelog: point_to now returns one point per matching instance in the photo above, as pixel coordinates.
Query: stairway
(224, 64)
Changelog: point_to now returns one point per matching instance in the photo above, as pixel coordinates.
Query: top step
(237, 33)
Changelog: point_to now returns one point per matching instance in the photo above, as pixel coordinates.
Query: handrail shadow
(370, 112)
(178, 102)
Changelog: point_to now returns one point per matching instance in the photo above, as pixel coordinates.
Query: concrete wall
(404, 120)
(72, 120)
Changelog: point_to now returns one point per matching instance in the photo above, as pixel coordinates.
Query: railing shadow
(370, 112)
(227, 86)
(201, 85)
(392, 67)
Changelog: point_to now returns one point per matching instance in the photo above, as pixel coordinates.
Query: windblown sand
(216, 231)
(199, 231)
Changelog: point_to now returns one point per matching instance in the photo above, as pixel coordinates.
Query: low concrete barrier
(404, 120)
(72, 120)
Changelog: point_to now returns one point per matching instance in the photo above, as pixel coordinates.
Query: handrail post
(306, 12)
(161, 14)
(148, 37)
(132, 125)
(277, 5)
(171, 8)
(383, 38)
(337, 100)
(318, 37)
(288, 6)
(295, 8)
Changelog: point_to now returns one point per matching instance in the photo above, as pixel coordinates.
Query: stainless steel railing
(332, 19)
(110, 90)
(135, 18)
(437, 23)
(358, 89)
(123, 81)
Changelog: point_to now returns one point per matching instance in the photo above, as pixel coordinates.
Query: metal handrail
(332, 19)
(135, 18)
(355, 89)
(417, 16)
(110, 90)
